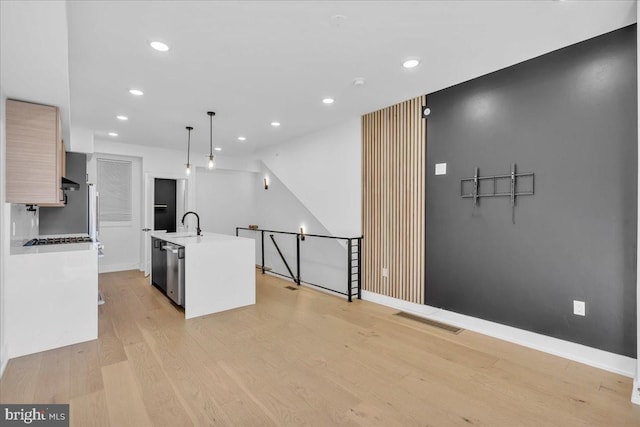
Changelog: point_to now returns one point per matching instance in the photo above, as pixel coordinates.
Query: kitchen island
(219, 271)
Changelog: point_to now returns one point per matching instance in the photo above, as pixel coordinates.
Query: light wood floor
(304, 358)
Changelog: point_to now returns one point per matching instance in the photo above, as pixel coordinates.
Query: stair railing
(354, 257)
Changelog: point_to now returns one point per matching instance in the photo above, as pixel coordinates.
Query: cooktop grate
(58, 240)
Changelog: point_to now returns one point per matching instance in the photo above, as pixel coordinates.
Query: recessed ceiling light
(411, 63)
(359, 81)
(136, 92)
(159, 46)
(275, 124)
(242, 138)
(218, 149)
(123, 118)
(113, 134)
(328, 100)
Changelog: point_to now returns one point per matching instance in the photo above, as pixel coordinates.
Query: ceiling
(254, 62)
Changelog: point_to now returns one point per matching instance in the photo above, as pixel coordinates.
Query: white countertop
(186, 238)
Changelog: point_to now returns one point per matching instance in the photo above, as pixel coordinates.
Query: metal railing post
(360, 268)
(349, 275)
(262, 244)
(298, 257)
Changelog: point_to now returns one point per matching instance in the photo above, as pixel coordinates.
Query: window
(114, 188)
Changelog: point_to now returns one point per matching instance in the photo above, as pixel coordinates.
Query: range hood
(69, 185)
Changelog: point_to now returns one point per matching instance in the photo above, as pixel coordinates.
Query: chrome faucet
(197, 217)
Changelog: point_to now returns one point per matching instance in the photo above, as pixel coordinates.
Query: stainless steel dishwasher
(175, 272)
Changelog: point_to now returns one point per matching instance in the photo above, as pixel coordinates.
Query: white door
(149, 191)
(119, 182)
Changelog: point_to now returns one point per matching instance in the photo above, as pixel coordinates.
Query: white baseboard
(635, 393)
(612, 362)
(116, 267)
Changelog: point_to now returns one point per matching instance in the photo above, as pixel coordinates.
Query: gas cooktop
(58, 240)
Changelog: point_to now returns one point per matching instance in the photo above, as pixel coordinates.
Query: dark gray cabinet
(158, 265)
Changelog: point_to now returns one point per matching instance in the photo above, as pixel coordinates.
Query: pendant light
(211, 164)
(189, 129)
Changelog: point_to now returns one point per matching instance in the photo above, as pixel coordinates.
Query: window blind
(114, 188)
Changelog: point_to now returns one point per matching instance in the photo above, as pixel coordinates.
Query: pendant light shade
(211, 163)
(189, 129)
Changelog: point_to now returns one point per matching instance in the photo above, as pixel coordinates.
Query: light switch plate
(441, 168)
(385, 272)
(579, 308)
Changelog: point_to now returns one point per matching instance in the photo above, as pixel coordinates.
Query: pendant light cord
(210, 135)
(189, 128)
(211, 114)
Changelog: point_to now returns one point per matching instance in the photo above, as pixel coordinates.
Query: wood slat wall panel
(393, 211)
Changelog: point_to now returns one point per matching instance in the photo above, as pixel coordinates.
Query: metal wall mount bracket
(471, 188)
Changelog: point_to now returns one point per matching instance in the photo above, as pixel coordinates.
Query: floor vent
(291, 288)
(430, 322)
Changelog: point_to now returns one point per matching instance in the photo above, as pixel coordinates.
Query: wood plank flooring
(304, 358)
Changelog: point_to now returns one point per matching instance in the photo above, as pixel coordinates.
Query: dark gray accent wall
(570, 117)
(72, 218)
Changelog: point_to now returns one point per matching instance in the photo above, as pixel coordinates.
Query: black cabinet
(158, 265)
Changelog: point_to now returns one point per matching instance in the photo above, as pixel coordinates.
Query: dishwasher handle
(170, 249)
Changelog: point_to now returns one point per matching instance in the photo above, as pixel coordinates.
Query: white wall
(323, 261)
(225, 199)
(315, 181)
(323, 171)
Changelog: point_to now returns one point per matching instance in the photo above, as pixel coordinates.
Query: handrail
(296, 233)
(301, 236)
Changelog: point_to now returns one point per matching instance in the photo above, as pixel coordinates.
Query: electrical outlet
(385, 272)
(441, 168)
(579, 308)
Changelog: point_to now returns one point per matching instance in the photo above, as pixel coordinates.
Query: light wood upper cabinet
(35, 154)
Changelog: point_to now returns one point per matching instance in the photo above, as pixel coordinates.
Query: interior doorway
(164, 205)
(118, 181)
(179, 200)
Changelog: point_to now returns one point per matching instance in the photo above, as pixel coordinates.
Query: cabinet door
(61, 168)
(33, 153)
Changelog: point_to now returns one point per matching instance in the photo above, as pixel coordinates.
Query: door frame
(136, 205)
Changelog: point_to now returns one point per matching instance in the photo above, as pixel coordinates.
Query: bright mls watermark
(34, 415)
